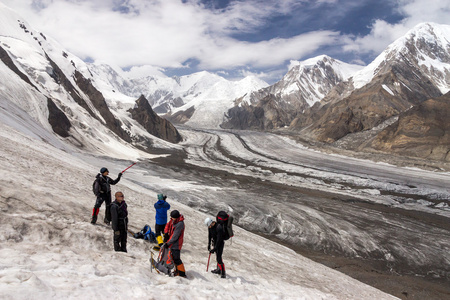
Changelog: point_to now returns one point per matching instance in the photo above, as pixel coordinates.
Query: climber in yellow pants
(161, 207)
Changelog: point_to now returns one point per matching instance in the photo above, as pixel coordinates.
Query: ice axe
(128, 168)
(207, 266)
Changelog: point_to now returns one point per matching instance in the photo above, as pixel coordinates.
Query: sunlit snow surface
(49, 250)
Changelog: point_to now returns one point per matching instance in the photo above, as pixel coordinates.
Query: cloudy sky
(233, 38)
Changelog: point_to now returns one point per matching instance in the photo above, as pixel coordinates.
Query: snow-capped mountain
(425, 48)
(305, 84)
(323, 98)
(209, 95)
(207, 109)
(163, 93)
(57, 89)
(411, 70)
(309, 81)
(169, 93)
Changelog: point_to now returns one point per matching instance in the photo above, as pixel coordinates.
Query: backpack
(164, 262)
(93, 187)
(148, 234)
(99, 186)
(227, 221)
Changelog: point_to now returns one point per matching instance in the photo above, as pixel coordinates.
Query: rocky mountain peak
(155, 125)
(410, 71)
(426, 47)
(306, 83)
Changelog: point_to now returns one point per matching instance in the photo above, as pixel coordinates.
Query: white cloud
(383, 33)
(166, 33)
(231, 53)
(144, 71)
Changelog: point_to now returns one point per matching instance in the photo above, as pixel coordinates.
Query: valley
(384, 225)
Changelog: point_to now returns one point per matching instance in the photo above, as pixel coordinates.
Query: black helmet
(175, 214)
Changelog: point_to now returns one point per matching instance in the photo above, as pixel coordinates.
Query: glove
(120, 174)
(212, 251)
(209, 247)
(165, 245)
(117, 232)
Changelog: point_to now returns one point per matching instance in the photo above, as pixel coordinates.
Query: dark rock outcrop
(60, 78)
(180, 117)
(155, 125)
(4, 57)
(57, 119)
(96, 97)
(99, 103)
(268, 113)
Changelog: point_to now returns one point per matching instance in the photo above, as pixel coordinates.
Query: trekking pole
(128, 167)
(160, 253)
(207, 266)
(151, 261)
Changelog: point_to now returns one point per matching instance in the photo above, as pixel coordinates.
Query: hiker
(216, 237)
(161, 207)
(102, 190)
(175, 232)
(119, 217)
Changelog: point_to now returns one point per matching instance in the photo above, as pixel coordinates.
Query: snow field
(49, 249)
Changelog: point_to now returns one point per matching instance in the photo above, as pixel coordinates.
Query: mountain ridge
(60, 88)
(411, 70)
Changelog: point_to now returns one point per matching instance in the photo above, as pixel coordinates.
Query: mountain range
(413, 69)
(396, 104)
(326, 100)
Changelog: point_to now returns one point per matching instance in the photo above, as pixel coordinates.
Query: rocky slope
(411, 70)
(277, 105)
(422, 131)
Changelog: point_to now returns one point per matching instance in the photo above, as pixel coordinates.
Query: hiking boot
(216, 271)
(222, 271)
(94, 219)
(180, 271)
(106, 221)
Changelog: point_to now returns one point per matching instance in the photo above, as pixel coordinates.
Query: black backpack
(99, 187)
(227, 221)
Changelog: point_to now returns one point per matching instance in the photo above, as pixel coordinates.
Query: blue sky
(233, 38)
